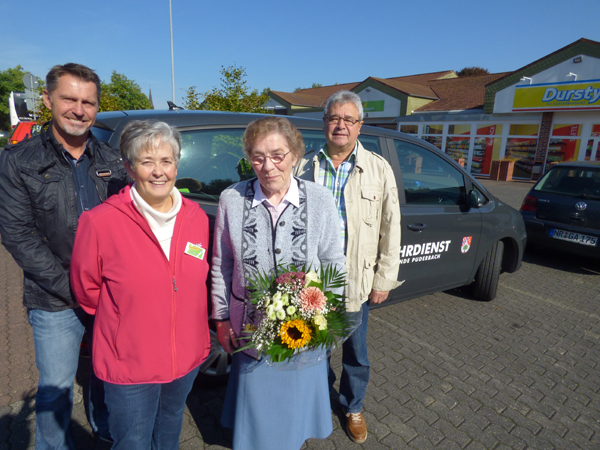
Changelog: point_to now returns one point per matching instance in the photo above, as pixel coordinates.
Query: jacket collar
(358, 162)
(250, 191)
(49, 141)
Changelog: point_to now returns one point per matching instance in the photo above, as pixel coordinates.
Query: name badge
(195, 250)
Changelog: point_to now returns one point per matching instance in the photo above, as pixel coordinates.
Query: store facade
(545, 112)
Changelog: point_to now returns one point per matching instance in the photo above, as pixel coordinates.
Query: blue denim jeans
(355, 366)
(97, 409)
(147, 416)
(57, 338)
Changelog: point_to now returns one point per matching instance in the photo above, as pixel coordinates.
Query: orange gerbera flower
(312, 299)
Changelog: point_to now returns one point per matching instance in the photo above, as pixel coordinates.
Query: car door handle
(416, 226)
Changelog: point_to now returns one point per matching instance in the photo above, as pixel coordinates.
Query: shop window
(410, 129)
(591, 153)
(522, 150)
(435, 140)
(524, 130)
(457, 147)
(489, 130)
(596, 130)
(433, 129)
(463, 129)
(566, 130)
(560, 150)
(485, 151)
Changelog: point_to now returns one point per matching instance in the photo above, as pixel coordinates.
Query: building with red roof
(547, 111)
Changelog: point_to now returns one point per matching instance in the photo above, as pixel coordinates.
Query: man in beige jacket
(364, 187)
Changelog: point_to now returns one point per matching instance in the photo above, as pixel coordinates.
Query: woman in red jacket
(140, 266)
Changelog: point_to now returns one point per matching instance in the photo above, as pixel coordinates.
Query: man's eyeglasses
(334, 120)
(277, 158)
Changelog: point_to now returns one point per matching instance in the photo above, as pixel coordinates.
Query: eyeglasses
(277, 158)
(334, 120)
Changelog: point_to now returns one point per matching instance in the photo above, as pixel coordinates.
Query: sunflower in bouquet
(297, 311)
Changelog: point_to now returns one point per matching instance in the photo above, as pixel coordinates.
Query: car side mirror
(476, 199)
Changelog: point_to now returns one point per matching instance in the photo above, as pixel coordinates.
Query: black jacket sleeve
(21, 237)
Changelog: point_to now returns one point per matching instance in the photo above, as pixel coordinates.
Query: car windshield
(571, 181)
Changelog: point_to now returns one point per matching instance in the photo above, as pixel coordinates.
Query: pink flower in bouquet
(290, 277)
(312, 299)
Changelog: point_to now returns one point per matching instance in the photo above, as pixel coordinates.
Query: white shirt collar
(292, 195)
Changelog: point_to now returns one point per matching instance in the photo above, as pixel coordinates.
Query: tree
(233, 95)
(10, 80)
(122, 94)
(472, 72)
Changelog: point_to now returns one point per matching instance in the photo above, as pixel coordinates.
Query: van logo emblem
(466, 244)
(580, 206)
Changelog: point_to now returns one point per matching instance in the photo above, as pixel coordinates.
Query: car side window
(315, 140)
(211, 160)
(370, 143)
(428, 178)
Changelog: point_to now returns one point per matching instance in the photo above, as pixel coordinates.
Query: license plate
(573, 237)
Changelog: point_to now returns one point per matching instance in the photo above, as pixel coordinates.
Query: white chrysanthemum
(271, 312)
(278, 305)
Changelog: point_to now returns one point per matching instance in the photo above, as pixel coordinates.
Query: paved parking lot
(448, 372)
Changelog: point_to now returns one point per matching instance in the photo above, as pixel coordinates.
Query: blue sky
(284, 45)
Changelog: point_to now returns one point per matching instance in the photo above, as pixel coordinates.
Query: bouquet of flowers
(296, 311)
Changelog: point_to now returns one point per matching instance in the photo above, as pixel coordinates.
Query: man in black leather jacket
(46, 182)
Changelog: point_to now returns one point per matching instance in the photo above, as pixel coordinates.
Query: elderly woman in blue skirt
(269, 220)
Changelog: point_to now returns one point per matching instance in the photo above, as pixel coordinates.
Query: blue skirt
(271, 409)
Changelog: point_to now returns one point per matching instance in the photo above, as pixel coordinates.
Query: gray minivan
(454, 232)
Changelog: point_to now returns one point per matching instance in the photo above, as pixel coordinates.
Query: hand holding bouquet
(297, 311)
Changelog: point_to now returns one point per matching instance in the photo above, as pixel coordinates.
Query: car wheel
(215, 369)
(486, 279)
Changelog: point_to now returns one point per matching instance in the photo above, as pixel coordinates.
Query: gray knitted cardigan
(246, 241)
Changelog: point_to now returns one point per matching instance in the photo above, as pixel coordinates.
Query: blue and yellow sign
(572, 95)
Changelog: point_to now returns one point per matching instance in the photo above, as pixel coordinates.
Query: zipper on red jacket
(174, 296)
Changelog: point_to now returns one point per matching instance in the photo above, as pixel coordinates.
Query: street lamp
(172, 59)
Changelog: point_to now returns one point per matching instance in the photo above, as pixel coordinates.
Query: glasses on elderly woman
(277, 158)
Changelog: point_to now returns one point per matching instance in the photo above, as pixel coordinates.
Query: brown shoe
(357, 427)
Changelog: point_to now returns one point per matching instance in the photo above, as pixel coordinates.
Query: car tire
(488, 273)
(214, 371)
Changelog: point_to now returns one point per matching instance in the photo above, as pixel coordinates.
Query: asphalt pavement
(448, 372)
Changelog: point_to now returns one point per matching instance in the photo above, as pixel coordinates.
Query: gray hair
(343, 97)
(147, 135)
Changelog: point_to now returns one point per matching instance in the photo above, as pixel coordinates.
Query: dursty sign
(573, 95)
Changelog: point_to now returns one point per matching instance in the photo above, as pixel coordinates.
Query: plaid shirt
(335, 181)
